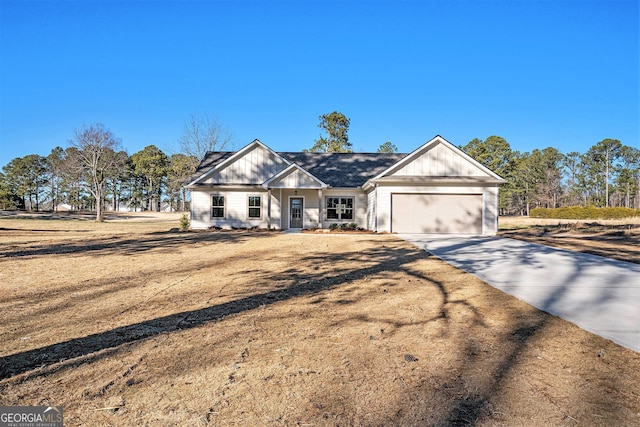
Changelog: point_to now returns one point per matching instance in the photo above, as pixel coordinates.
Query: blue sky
(538, 73)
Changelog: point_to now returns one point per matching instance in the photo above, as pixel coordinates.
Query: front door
(295, 212)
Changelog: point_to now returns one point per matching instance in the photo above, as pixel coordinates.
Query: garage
(436, 213)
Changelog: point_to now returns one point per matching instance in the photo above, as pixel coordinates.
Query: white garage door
(436, 213)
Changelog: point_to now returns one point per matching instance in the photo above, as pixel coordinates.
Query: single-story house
(435, 189)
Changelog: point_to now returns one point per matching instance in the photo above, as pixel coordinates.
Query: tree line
(606, 175)
(94, 172)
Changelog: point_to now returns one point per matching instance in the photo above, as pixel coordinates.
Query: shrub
(345, 226)
(348, 226)
(185, 223)
(579, 212)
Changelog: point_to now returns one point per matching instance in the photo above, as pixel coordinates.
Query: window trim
(224, 206)
(249, 207)
(337, 209)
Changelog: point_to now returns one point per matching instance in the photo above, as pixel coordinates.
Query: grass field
(127, 323)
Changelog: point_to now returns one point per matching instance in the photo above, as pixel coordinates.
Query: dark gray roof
(209, 160)
(344, 169)
(334, 169)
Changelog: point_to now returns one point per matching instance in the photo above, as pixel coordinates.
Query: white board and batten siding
(296, 179)
(253, 167)
(440, 160)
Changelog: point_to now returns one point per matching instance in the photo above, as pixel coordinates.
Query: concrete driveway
(598, 294)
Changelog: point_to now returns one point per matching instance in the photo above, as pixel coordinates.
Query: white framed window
(217, 206)
(255, 207)
(339, 208)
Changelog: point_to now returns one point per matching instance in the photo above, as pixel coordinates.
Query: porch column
(269, 209)
(280, 202)
(320, 208)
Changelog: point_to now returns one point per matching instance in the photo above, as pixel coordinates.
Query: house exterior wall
(359, 207)
(200, 209)
(276, 209)
(236, 209)
(489, 195)
(297, 179)
(491, 210)
(254, 167)
(440, 160)
(243, 174)
(372, 211)
(310, 207)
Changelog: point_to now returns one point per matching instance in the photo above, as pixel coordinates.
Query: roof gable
(253, 164)
(439, 158)
(294, 177)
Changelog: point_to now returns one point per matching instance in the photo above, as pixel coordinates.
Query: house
(435, 189)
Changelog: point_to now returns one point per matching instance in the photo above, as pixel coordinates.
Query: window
(340, 208)
(217, 206)
(255, 207)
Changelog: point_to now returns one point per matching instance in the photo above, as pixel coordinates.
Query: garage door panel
(436, 213)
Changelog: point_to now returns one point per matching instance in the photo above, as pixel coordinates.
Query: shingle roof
(334, 169)
(209, 160)
(344, 169)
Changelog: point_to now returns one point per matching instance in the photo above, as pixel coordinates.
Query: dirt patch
(128, 324)
(612, 239)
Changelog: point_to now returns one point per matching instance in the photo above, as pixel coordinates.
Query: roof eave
(436, 180)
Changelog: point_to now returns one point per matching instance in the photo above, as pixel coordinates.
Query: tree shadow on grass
(302, 284)
(120, 245)
(472, 407)
(465, 408)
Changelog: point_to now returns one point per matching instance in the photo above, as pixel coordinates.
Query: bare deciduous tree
(95, 155)
(201, 134)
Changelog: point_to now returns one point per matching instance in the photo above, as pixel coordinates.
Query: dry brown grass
(617, 239)
(128, 324)
(511, 222)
